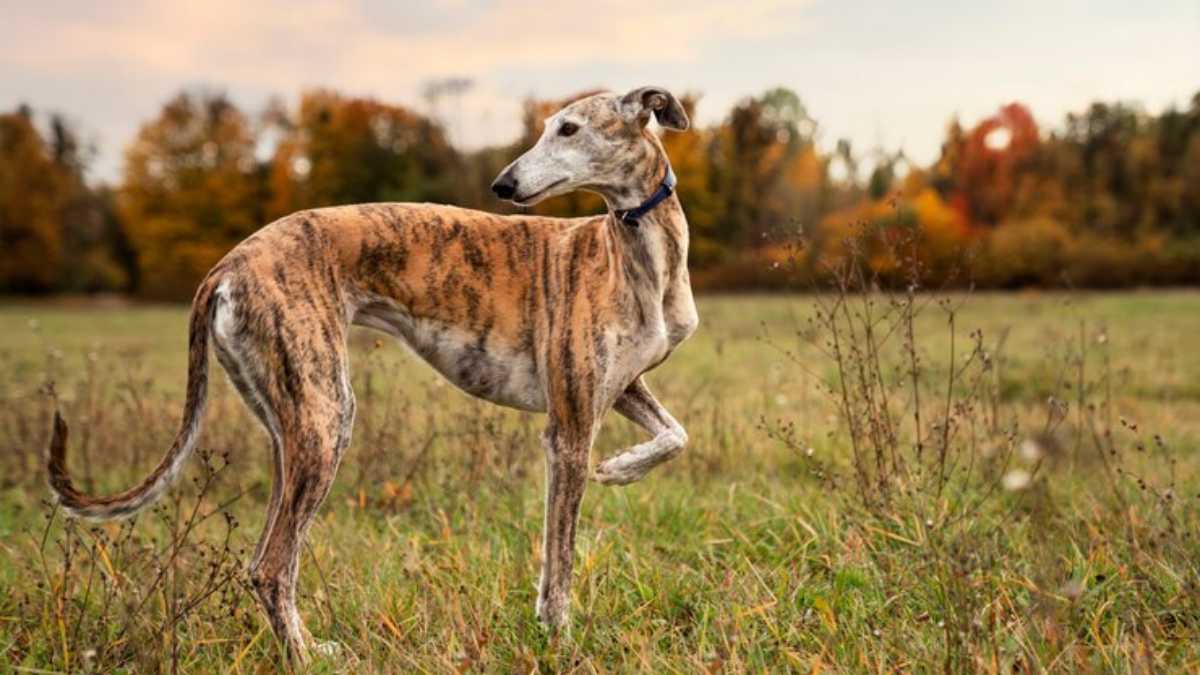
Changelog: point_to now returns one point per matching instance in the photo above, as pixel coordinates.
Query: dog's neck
(657, 246)
(644, 180)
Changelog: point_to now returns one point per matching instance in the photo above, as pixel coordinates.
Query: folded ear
(640, 103)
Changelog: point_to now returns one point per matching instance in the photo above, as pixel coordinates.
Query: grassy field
(1062, 539)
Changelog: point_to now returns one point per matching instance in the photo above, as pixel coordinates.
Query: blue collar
(631, 216)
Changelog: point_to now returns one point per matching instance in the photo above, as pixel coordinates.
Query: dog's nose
(505, 186)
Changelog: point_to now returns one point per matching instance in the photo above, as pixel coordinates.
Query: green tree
(342, 150)
(96, 252)
(755, 152)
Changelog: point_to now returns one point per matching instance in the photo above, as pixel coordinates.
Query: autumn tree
(191, 191)
(335, 149)
(1129, 172)
(979, 170)
(690, 153)
(57, 233)
(764, 160)
(33, 194)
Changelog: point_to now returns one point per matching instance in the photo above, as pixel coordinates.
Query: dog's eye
(568, 129)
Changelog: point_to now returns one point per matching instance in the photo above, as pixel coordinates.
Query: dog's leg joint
(670, 438)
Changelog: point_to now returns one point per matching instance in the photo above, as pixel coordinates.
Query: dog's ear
(640, 103)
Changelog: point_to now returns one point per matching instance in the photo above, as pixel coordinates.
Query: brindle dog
(545, 314)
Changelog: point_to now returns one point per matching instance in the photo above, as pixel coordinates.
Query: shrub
(1025, 253)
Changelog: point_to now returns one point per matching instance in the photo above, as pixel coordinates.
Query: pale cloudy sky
(879, 73)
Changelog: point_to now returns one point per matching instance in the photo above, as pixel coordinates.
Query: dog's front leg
(638, 405)
(567, 448)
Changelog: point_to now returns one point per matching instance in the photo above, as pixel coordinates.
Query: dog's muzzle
(505, 186)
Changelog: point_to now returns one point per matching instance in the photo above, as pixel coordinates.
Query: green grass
(736, 557)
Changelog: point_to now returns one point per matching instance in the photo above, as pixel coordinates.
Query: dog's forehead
(594, 108)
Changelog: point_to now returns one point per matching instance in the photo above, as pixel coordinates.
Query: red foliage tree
(979, 169)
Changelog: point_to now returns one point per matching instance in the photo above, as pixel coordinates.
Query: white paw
(610, 472)
(334, 651)
(328, 648)
(553, 620)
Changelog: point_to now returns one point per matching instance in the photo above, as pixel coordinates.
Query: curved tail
(133, 500)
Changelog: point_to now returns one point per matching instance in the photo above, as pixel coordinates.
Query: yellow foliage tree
(938, 230)
(33, 193)
(191, 191)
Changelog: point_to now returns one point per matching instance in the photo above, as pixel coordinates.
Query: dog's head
(598, 143)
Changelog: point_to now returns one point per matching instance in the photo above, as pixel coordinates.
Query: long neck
(655, 250)
(643, 180)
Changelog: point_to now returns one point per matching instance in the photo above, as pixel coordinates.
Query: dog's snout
(505, 186)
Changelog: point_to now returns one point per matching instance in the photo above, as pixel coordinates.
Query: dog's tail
(131, 501)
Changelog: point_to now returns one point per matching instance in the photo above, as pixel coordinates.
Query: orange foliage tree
(33, 193)
(191, 190)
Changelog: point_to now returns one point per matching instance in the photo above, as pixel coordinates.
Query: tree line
(1109, 198)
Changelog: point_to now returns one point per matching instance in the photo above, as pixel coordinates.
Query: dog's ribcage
(489, 370)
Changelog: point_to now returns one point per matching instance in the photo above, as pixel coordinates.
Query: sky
(882, 74)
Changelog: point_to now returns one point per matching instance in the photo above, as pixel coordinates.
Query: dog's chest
(643, 343)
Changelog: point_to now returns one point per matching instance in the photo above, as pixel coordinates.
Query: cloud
(284, 45)
(142, 50)
(877, 73)
(111, 66)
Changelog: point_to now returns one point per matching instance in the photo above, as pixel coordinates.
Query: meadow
(1025, 500)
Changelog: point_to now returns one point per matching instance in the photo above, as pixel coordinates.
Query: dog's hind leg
(638, 405)
(300, 391)
(315, 433)
(311, 461)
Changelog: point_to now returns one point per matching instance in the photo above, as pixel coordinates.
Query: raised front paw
(617, 471)
(636, 462)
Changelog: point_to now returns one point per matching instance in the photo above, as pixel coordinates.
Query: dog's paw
(614, 472)
(553, 616)
(335, 652)
(328, 648)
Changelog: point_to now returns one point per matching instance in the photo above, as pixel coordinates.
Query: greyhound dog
(562, 316)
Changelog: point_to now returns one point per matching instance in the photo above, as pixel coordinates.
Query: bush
(1097, 261)
(1178, 262)
(1025, 253)
(1042, 251)
(760, 269)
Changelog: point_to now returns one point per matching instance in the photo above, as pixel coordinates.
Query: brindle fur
(544, 314)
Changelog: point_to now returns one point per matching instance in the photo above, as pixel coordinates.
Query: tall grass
(933, 445)
(879, 480)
